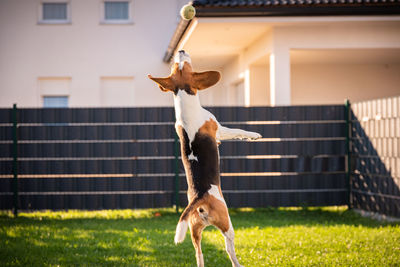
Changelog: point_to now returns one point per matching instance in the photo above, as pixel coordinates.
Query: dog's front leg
(225, 133)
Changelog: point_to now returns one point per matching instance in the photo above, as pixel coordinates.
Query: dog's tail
(183, 223)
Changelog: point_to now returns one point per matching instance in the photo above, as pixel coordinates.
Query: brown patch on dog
(209, 128)
(203, 80)
(196, 226)
(218, 214)
(215, 211)
(186, 79)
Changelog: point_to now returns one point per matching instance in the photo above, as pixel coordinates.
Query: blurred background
(97, 53)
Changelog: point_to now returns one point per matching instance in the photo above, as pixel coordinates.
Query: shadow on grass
(143, 241)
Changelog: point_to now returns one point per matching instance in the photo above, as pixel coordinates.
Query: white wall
(232, 81)
(84, 50)
(332, 83)
(324, 84)
(259, 84)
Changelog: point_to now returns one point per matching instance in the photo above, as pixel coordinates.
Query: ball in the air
(188, 12)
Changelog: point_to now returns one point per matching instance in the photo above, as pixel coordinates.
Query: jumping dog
(200, 133)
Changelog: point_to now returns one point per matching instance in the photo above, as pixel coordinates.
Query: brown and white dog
(200, 133)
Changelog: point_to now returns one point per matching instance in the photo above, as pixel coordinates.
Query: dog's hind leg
(219, 217)
(230, 246)
(196, 226)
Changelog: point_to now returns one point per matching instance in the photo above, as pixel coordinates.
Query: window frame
(103, 19)
(41, 20)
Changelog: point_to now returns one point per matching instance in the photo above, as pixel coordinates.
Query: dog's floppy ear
(203, 80)
(165, 84)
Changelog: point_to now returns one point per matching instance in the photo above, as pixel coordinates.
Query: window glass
(54, 11)
(116, 10)
(55, 101)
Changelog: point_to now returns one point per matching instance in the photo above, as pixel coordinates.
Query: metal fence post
(15, 159)
(348, 151)
(176, 155)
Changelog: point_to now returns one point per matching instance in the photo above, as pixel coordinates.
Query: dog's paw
(253, 136)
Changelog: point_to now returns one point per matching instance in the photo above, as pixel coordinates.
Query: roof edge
(356, 9)
(300, 10)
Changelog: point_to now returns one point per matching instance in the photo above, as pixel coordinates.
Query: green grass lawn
(264, 237)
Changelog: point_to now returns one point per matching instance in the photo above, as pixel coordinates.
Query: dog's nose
(181, 51)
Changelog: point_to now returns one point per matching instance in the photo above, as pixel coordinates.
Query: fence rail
(106, 158)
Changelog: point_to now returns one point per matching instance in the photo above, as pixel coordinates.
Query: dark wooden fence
(375, 175)
(114, 158)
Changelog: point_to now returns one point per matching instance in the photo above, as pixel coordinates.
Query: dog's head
(183, 78)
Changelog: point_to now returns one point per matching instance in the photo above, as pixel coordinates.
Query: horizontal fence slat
(77, 115)
(165, 148)
(282, 199)
(96, 167)
(303, 181)
(5, 115)
(5, 150)
(5, 133)
(99, 132)
(283, 182)
(6, 202)
(121, 132)
(295, 130)
(286, 199)
(127, 149)
(93, 115)
(310, 147)
(95, 202)
(5, 185)
(300, 164)
(148, 166)
(110, 183)
(100, 184)
(284, 113)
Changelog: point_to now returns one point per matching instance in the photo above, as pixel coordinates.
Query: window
(55, 101)
(54, 12)
(116, 12)
(54, 91)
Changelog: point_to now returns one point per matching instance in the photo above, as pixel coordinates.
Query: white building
(84, 52)
(296, 52)
(99, 52)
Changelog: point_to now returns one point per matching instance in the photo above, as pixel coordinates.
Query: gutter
(176, 39)
(276, 8)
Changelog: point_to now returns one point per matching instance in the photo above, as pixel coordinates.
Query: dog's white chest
(189, 113)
